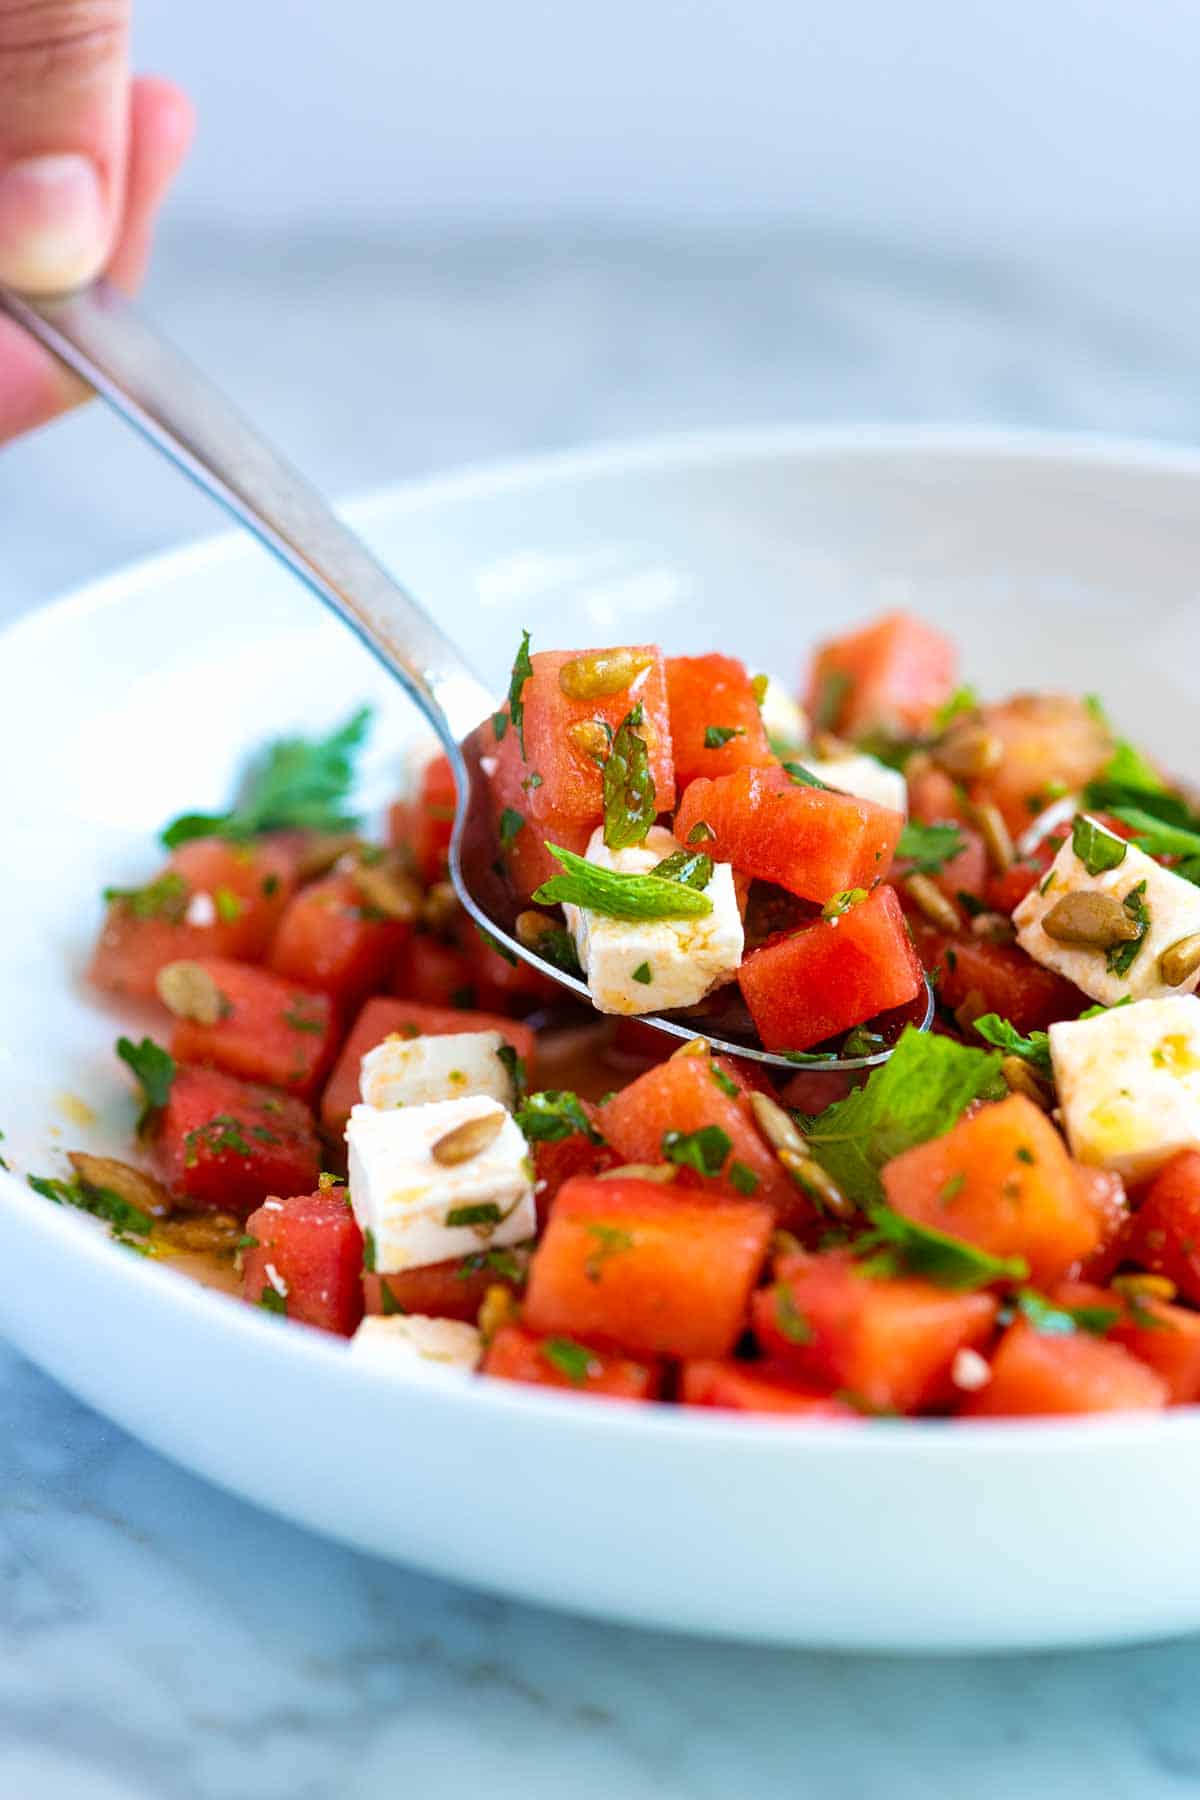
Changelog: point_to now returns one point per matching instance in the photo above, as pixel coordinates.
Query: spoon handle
(101, 336)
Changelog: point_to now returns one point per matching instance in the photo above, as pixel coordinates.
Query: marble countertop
(162, 1641)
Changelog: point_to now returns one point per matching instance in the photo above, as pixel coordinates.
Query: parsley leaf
(704, 1150)
(166, 897)
(619, 896)
(569, 1358)
(1120, 959)
(791, 1321)
(101, 1202)
(743, 1178)
(475, 1212)
(717, 736)
(299, 784)
(515, 1064)
(1097, 848)
(929, 847)
(610, 1241)
(154, 1070)
(554, 1114)
(963, 700)
(919, 1093)
(511, 824)
(522, 669)
(899, 1246)
(643, 974)
(1035, 1048)
(629, 796)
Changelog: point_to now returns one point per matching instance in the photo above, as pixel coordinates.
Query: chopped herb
(643, 974)
(862, 1042)
(299, 1020)
(963, 700)
(531, 781)
(515, 1065)
(701, 833)
(477, 1212)
(569, 1358)
(1050, 1320)
(743, 1179)
(389, 1306)
(717, 736)
(611, 1240)
(1128, 779)
(102, 1203)
(704, 1150)
(556, 945)
(619, 896)
(804, 777)
(1096, 848)
(691, 867)
(510, 1265)
(247, 1241)
(165, 898)
(1120, 959)
(369, 1251)
(228, 904)
(3, 1163)
(154, 1070)
(725, 1082)
(807, 1056)
(791, 1321)
(499, 726)
(899, 1246)
(1034, 1049)
(221, 1135)
(971, 904)
(522, 669)
(272, 1302)
(1161, 837)
(832, 692)
(929, 847)
(841, 903)
(511, 824)
(299, 784)
(554, 1114)
(630, 806)
(501, 950)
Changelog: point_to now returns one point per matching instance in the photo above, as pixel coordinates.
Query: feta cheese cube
(1172, 906)
(865, 777)
(414, 1344)
(414, 1071)
(420, 1211)
(652, 965)
(1129, 1084)
(783, 717)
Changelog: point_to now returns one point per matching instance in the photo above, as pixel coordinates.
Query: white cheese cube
(420, 1211)
(652, 965)
(1171, 903)
(1129, 1084)
(783, 718)
(413, 1344)
(865, 777)
(415, 1071)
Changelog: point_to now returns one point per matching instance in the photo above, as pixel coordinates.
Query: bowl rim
(697, 1430)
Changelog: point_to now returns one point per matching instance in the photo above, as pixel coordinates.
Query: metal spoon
(100, 335)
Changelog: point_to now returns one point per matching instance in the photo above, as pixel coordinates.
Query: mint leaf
(1050, 1320)
(299, 784)
(101, 1202)
(1035, 1048)
(569, 1358)
(154, 1069)
(704, 1150)
(511, 824)
(1097, 848)
(717, 736)
(841, 903)
(804, 777)
(899, 1246)
(690, 867)
(629, 797)
(554, 1114)
(1120, 959)
(929, 847)
(619, 896)
(1159, 837)
(522, 669)
(963, 700)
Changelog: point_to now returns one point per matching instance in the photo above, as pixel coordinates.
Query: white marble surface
(161, 1641)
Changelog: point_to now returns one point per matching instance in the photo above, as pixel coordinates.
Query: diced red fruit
(555, 1163)
(571, 778)
(966, 873)
(271, 1030)
(1004, 892)
(891, 675)
(817, 983)
(1002, 1180)
(330, 938)
(716, 726)
(889, 1343)
(445, 1290)
(812, 1090)
(502, 983)
(1164, 1234)
(435, 973)
(313, 1249)
(1001, 977)
(431, 819)
(380, 1018)
(1036, 1374)
(245, 888)
(224, 1145)
(515, 1354)
(1165, 1336)
(1104, 1192)
(934, 798)
(812, 841)
(1052, 745)
(649, 1269)
(685, 1095)
(756, 1388)
(515, 789)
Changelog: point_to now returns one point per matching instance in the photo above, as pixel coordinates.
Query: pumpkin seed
(928, 897)
(132, 1185)
(590, 738)
(817, 1183)
(464, 1141)
(322, 850)
(661, 1172)
(440, 910)
(776, 1125)
(997, 839)
(1095, 921)
(213, 1234)
(189, 991)
(531, 927)
(1180, 962)
(388, 890)
(1019, 1078)
(1145, 1287)
(599, 673)
(695, 1046)
(968, 752)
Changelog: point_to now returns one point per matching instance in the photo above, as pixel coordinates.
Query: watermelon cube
(570, 777)
(306, 1260)
(1036, 1374)
(756, 1387)
(269, 1030)
(515, 1354)
(1164, 1235)
(716, 726)
(445, 1290)
(332, 939)
(889, 676)
(224, 1145)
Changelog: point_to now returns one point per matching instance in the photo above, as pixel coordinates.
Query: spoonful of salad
(621, 821)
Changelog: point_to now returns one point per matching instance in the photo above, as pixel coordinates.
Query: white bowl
(1052, 562)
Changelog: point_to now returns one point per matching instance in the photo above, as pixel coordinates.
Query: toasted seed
(967, 752)
(817, 1183)
(531, 927)
(1145, 1287)
(388, 890)
(440, 910)
(216, 1234)
(994, 927)
(1180, 962)
(468, 1139)
(1020, 1079)
(695, 1046)
(664, 1172)
(775, 1124)
(322, 850)
(190, 992)
(928, 897)
(997, 839)
(785, 1243)
(132, 1185)
(829, 747)
(601, 672)
(590, 738)
(972, 1008)
(1096, 921)
(497, 1309)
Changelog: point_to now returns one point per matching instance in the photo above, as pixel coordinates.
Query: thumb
(64, 109)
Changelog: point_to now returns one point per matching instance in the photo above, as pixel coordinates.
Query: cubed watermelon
(331, 938)
(224, 1145)
(306, 1260)
(891, 675)
(445, 1290)
(716, 726)
(1166, 1337)
(760, 1387)
(270, 1030)
(1051, 745)
(570, 777)
(515, 1354)
(1036, 1374)
(998, 978)
(1164, 1234)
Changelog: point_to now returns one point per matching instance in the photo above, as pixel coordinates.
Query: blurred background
(411, 237)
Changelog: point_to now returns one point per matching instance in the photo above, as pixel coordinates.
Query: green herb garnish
(929, 847)
(717, 736)
(832, 693)
(963, 700)
(643, 974)
(791, 1321)
(273, 1302)
(841, 903)
(610, 1240)
(701, 833)
(898, 1246)
(477, 1212)
(1097, 848)
(510, 825)
(1121, 957)
(704, 1150)
(619, 896)
(628, 786)
(691, 867)
(726, 1083)
(165, 898)
(804, 777)
(743, 1179)
(1034, 1049)
(569, 1358)
(300, 784)
(1050, 1320)
(515, 1064)
(154, 1070)
(126, 1220)
(522, 669)
(369, 1251)
(554, 1114)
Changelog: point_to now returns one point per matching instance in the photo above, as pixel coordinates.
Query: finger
(64, 118)
(162, 121)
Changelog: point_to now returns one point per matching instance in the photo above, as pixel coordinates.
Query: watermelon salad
(363, 1116)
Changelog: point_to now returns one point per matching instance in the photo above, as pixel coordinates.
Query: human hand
(86, 157)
